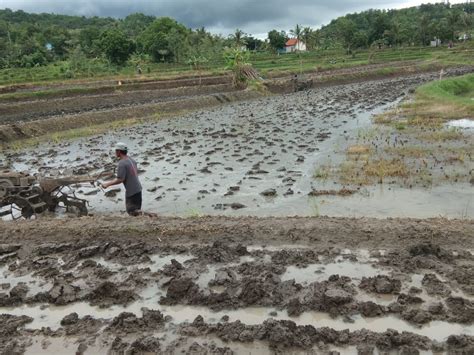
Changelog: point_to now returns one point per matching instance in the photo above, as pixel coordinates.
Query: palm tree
(466, 21)
(423, 28)
(308, 35)
(297, 33)
(238, 38)
(453, 18)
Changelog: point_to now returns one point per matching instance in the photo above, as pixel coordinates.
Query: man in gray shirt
(127, 173)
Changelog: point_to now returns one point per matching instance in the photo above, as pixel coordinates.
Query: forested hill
(28, 40)
(410, 26)
(45, 20)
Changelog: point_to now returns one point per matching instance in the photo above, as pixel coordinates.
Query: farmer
(127, 173)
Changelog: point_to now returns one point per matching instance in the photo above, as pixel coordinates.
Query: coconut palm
(308, 36)
(297, 33)
(238, 38)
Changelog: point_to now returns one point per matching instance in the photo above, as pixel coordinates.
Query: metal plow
(23, 196)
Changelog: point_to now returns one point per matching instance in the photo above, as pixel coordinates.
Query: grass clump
(441, 135)
(383, 168)
(323, 172)
(358, 150)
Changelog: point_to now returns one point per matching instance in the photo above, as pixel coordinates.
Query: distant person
(127, 173)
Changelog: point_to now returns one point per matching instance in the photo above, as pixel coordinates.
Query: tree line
(28, 40)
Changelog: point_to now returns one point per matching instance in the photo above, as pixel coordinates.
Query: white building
(293, 45)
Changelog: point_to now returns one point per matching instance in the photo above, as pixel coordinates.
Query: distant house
(293, 45)
(435, 43)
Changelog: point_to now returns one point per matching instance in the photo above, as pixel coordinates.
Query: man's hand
(111, 183)
(102, 185)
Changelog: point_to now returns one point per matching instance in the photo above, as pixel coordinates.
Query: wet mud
(258, 157)
(199, 285)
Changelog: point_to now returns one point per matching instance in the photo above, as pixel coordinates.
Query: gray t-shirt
(128, 172)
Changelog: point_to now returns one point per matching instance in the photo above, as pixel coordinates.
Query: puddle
(157, 263)
(48, 345)
(35, 284)
(321, 272)
(382, 299)
(462, 123)
(273, 248)
(51, 317)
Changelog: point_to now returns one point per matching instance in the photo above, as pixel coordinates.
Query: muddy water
(206, 161)
(51, 317)
(155, 277)
(465, 123)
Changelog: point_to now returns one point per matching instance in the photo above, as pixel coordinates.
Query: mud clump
(221, 252)
(429, 249)
(252, 292)
(300, 258)
(371, 309)
(145, 345)
(434, 286)
(282, 335)
(462, 309)
(460, 344)
(380, 284)
(172, 269)
(295, 308)
(63, 293)
(10, 324)
(337, 296)
(181, 290)
(464, 275)
(16, 296)
(418, 316)
(9, 248)
(108, 293)
(9, 329)
(74, 325)
(127, 322)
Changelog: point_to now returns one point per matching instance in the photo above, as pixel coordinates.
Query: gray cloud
(221, 16)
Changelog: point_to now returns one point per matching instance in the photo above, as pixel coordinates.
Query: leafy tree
(59, 39)
(133, 25)
(423, 28)
(88, 39)
(346, 29)
(309, 37)
(163, 39)
(253, 43)
(277, 39)
(453, 18)
(116, 46)
(238, 37)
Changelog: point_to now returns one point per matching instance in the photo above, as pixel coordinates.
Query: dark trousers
(133, 204)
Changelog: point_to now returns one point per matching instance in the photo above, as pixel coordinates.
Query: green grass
(266, 63)
(458, 91)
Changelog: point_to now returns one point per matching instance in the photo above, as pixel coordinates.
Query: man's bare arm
(112, 183)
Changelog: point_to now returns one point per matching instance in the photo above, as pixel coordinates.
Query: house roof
(291, 42)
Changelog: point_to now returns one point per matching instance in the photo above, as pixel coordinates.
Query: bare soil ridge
(343, 232)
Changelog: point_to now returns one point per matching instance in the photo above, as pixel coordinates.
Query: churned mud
(264, 157)
(245, 285)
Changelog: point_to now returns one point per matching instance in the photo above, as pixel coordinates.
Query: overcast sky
(256, 17)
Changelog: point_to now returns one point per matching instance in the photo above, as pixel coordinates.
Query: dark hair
(124, 152)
